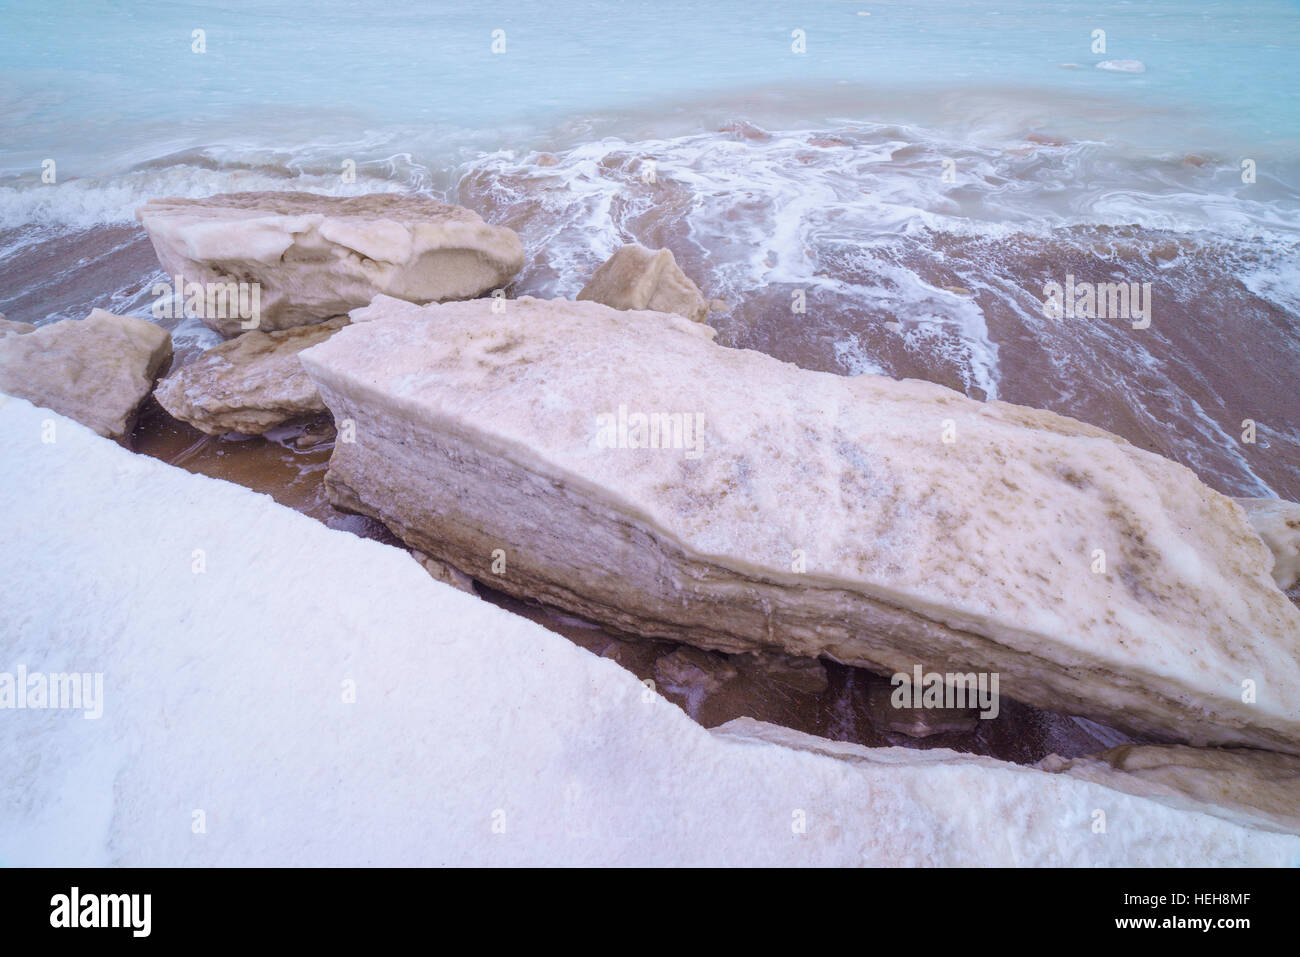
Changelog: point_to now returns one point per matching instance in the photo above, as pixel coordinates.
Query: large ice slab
(314, 257)
(252, 716)
(881, 523)
(97, 370)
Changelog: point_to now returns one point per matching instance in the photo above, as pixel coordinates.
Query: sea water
(108, 85)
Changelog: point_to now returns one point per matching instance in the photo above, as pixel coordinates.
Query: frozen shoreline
(224, 690)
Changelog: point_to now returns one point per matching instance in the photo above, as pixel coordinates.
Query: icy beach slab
(639, 278)
(309, 257)
(247, 384)
(97, 370)
(620, 465)
(250, 716)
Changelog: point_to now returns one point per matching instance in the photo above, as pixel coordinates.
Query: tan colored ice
(312, 257)
(9, 327)
(1251, 788)
(881, 523)
(249, 384)
(1277, 522)
(639, 278)
(97, 370)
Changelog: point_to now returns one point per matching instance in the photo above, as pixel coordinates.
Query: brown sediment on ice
(477, 433)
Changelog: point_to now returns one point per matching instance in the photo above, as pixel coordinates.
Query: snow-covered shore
(231, 633)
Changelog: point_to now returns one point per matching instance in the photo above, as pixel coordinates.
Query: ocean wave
(86, 202)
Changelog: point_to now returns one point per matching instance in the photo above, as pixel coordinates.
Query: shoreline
(725, 434)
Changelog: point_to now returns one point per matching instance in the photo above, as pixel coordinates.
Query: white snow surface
(224, 693)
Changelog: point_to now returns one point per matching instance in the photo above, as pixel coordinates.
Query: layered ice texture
(881, 523)
(295, 259)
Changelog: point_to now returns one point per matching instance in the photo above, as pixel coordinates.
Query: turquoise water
(102, 86)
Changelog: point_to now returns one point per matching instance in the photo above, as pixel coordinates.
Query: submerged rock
(97, 370)
(1253, 788)
(693, 675)
(312, 257)
(639, 278)
(807, 675)
(250, 384)
(621, 466)
(1277, 522)
(314, 435)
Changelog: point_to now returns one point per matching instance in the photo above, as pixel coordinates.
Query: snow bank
(228, 629)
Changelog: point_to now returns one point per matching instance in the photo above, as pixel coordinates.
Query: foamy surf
(904, 271)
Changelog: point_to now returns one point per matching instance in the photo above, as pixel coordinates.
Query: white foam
(84, 203)
(1277, 282)
(1122, 66)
